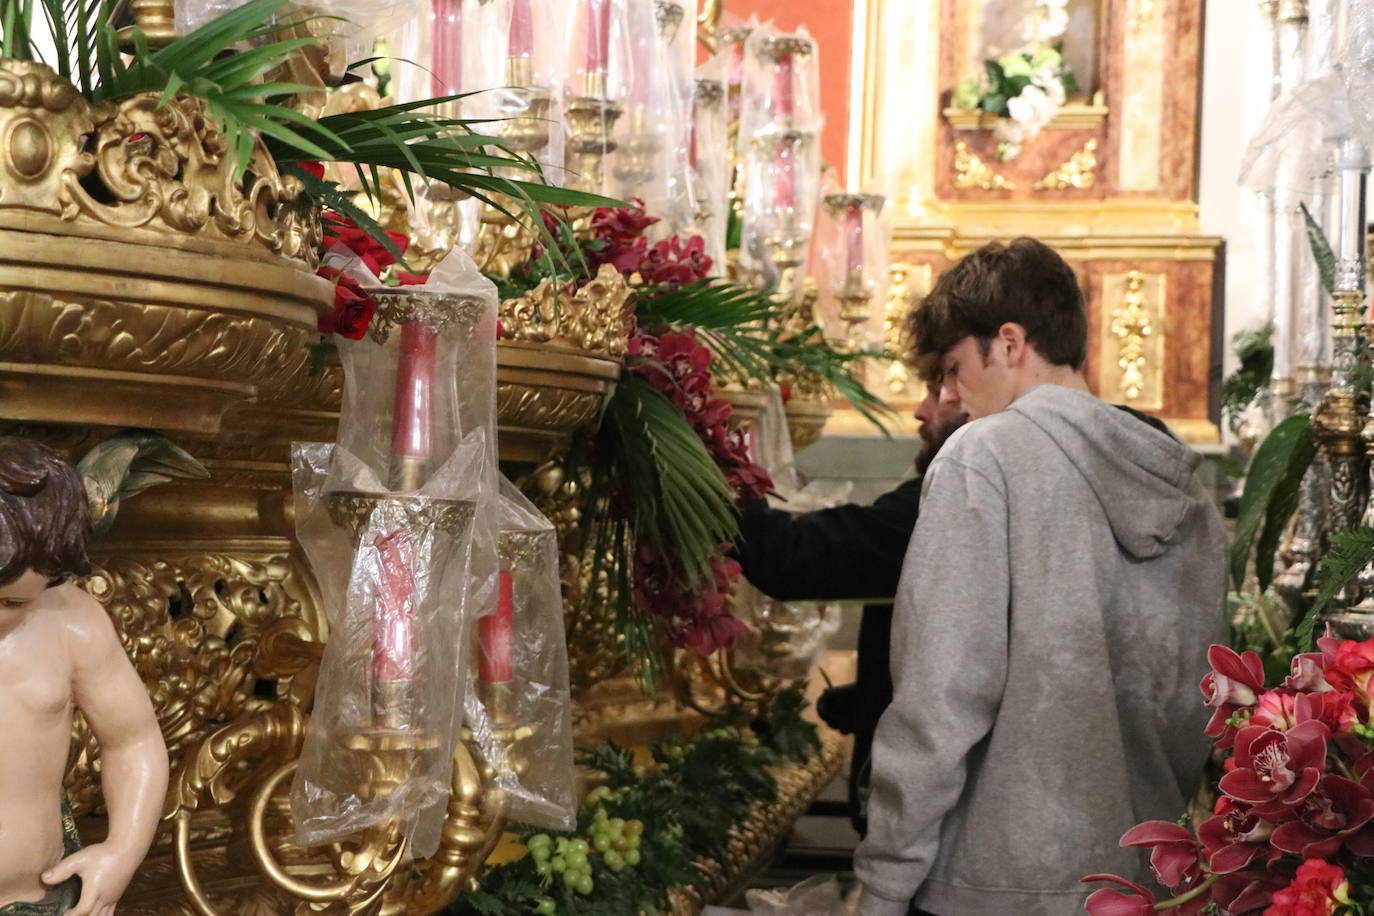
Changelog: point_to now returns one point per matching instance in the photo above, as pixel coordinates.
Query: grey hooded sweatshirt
(1061, 588)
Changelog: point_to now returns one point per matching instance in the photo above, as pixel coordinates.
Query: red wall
(830, 22)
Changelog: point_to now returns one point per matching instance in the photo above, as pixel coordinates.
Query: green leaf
(1270, 491)
(1321, 251)
(1348, 553)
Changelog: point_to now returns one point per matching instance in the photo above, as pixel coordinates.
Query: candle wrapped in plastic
(520, 713)
(516, 74)
(358, 22)
(708, 143)
(851, 252)
(398, 521)
(779, 144)
(650, 160)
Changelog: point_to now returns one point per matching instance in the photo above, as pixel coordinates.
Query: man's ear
(1011, 340)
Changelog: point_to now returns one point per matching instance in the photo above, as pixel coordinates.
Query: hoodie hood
(1143, 478)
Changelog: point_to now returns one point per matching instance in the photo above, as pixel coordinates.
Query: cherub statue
(58, 653)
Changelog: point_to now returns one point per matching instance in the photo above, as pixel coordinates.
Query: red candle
(393, 618)
(496, 636)
(598, 35)
(446, 76)
(786, 178)
(784, 86)
(854, 239)
(410, 426)
(521, 30)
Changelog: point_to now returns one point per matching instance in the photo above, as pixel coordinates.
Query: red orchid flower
(1111, 902)
(1175, 853)
(1234, 836)
(1338, 811)
(1275, 770)
(1234, 682)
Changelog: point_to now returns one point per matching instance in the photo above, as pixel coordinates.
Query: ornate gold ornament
(164, 165)
(1133, 339)
(397, 305)
(907, 283)
(594, 319)
(972, 172)
(1079, 171)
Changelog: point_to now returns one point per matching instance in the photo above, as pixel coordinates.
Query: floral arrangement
(641, 832)
(1292, 830)
(667, 470)
(1023, 90)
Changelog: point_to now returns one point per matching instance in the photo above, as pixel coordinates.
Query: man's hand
(105, 872)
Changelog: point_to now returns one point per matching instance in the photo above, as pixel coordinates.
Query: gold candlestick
(591, 119)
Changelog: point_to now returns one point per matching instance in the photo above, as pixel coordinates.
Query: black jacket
(847, 552)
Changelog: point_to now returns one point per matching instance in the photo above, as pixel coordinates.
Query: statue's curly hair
(43, 516)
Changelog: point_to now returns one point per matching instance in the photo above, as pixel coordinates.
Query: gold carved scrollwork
(190, 627)
(1133, 339)
(972, 172)
(1079, 171)
(160, 166)
(596, 318)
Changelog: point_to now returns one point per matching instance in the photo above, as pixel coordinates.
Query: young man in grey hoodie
(1060, 590)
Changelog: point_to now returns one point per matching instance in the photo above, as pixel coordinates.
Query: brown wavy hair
(1025, 282)
(43, 516)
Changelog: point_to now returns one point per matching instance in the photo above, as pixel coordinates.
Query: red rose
(314, 168)
(342, 231)
(1316, 890)
(353, 307)
(1352, 670)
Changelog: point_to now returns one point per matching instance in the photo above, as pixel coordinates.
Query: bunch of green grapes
(615, 839)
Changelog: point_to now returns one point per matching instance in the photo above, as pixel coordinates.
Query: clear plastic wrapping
(818, 895)
(515, 71)
(357, 22)
(851, 253)
(709, 158)
(398, 521)
(1356, 68)
(779, 146)
(649, 161)
(597, 77)
(520, 714)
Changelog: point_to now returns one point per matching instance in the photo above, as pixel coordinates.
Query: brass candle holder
(855, 293)
(636, 160)
(591, 121)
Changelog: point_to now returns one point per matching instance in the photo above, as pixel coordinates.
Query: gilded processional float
(295, 319)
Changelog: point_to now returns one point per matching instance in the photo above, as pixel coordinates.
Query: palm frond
(732, 321)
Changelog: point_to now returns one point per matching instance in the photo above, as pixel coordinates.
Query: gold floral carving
(907, 284)
(504, 243)
(189, 625)
(596, 318)
(1133, 338)
(972, 172)
(150, 165)
(1079, 171)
